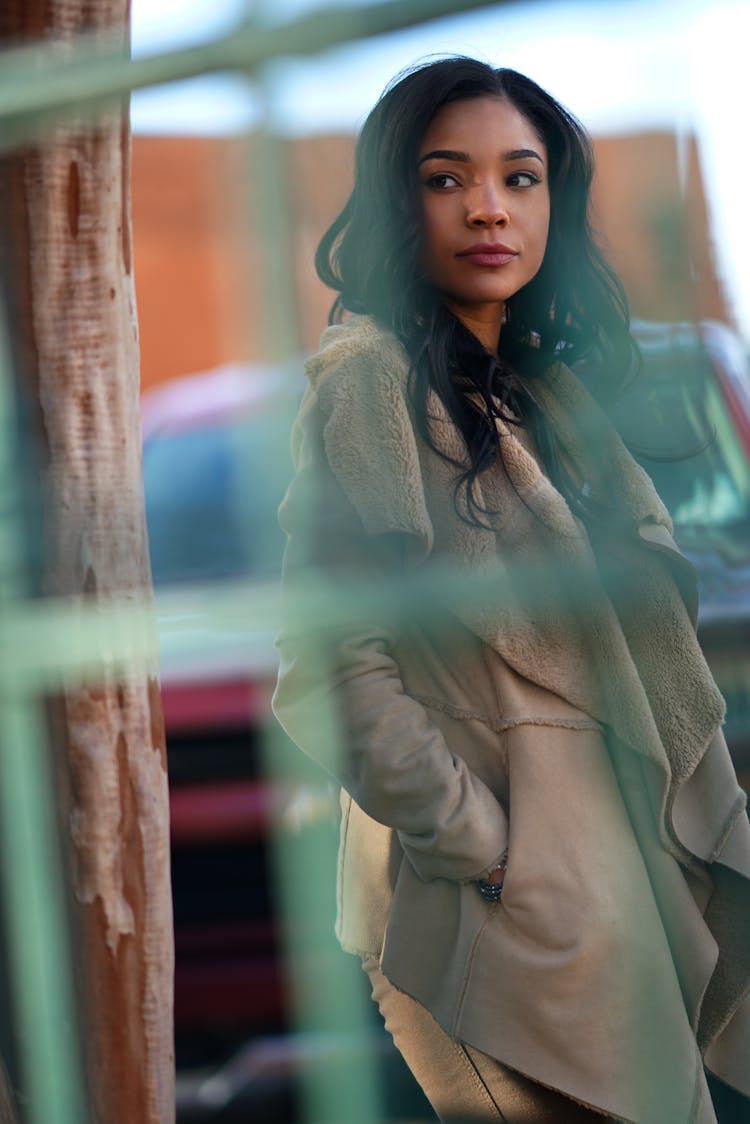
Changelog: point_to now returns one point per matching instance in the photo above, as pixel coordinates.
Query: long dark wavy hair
(574, 308)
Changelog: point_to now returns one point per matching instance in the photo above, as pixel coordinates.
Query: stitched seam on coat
(695, 1103)
(340, 873)
(738, 808)
(479, 1081)
(469, 966)
(499, 724)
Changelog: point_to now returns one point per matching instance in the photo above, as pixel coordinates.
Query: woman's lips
(488, 253)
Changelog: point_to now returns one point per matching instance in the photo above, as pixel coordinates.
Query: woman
(544, 854)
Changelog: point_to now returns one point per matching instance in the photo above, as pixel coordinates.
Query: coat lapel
(601, 617)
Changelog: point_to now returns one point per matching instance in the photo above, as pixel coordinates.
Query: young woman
(544, 851)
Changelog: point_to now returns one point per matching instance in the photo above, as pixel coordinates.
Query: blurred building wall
(649, 210)
(189, 262)
(199, 258)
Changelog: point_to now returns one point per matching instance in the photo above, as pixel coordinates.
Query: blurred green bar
(337, 1079)
(56, 640)
(38, 944)
(38, 939)
(40, 85)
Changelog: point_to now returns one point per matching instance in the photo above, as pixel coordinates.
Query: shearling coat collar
(599, 622)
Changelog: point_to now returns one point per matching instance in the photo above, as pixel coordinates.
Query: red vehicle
(215, 468)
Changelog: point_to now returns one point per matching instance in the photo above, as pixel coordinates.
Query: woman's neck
(484, 323)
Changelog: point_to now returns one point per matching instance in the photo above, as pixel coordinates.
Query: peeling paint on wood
(77, 330)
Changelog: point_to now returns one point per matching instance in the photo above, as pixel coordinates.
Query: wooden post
(65, 253)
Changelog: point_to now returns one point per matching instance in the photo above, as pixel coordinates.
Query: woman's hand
(496, 877)
(491, 887)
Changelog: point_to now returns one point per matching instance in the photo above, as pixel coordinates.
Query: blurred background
(219, 161)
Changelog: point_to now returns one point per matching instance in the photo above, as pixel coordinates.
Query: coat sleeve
(355, 515)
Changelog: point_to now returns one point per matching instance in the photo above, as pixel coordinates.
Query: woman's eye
(442, 180)
(523, 179)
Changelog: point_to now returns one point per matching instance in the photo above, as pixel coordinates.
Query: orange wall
(188, 271)
(199, 257)
(656, 235)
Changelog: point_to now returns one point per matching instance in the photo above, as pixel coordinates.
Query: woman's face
(485, 208)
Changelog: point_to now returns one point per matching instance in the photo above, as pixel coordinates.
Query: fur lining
(383, 481)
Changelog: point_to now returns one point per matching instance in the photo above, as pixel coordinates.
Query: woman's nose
(487, 208)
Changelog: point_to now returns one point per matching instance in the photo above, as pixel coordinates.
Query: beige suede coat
(554, 702)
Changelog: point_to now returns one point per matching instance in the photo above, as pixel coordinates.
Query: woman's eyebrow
(464, 158)
(522, 154)
(445, 154)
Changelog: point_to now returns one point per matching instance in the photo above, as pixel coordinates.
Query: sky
(618, 65)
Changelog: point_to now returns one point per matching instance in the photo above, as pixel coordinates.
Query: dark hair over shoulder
(574, 308)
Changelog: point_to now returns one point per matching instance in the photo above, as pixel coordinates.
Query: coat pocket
(431, 933)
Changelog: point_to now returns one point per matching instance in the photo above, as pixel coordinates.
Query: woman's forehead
(481, 123)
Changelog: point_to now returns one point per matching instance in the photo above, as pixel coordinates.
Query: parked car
(216, 462)
(687, 418)
(216, 465)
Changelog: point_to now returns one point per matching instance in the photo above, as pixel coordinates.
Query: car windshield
(675, 419)
(212, 494)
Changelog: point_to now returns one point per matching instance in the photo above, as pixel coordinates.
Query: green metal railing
(38, 947)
